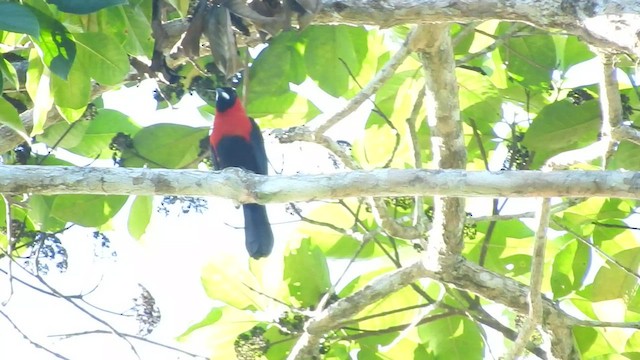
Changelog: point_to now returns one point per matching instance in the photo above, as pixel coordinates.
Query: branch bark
(464, 275)
(447, 142)
(602, 23)
(247, 187)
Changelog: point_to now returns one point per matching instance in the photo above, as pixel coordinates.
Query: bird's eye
(223, 94)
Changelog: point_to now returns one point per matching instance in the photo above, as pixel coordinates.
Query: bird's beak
(220, 93)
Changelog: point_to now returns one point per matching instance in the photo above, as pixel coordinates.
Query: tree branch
(537, 272)
(433, 44)
(603, 23)
(37, 345)
(379, 79)
(247, 187)
(135, 337)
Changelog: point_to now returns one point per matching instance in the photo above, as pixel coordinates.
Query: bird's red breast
(231, 122)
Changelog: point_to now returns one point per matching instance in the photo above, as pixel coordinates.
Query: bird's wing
(214, 159)
(257, 142)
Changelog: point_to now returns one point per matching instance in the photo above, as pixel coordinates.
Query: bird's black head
(225, 98)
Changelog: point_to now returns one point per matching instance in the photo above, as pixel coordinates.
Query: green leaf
(222, 333)
(362, 280)
(306, 286)
(615, 209)
(225, 280)
(275, 67)
(131, 28)
(64, 135)
(390, 346)
(454, 337)
(38, 87)
(279, 344)
(211, 318)
(613, 239)
(74, 92)
(17, 213)
(57, 48)
(9, 116)
(562, 126)
(82, 7)
(572, 51)
(19, 19)
(632, 347)
(569, 268)
(333, 244)
(40, 212)
(376, 146)
(181, 5)
(102, 57)
(479, 100)
(2, 66)
(531, 99)
(168, 146)
(71, 115)
(509, 238)
(530, 60)
(271, 112)
(463, 43)
(591, 343)
(87, 210)
(140, 216)
(625, 157)
(611, 282)
(99, 133)
(327, 47)
(377, 55)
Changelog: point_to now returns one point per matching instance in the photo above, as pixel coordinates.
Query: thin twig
(529, 214)
(596, 249)
(377, 110)
(611, 324)
(387, 313)
(135, 337)
(55, 145)
(378, 80)
(10, 244)
(37, 345)
(391, 329)
(497, 42)
(468, 29)
(610, 105)
(537, 273)
(617, 226)
(510, 334)
(495, 208)
(418, 210)
(83, 310)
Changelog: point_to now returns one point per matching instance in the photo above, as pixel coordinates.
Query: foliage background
(517, 112)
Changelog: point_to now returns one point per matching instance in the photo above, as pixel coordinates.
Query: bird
(236, 141)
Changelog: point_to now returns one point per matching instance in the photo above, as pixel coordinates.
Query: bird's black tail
(257, 231)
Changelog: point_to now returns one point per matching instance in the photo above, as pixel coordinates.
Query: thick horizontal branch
(603, 23)
(247, 187)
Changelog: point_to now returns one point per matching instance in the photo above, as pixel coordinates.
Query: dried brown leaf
(190, 42)
(222, 41)
(271, 25)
